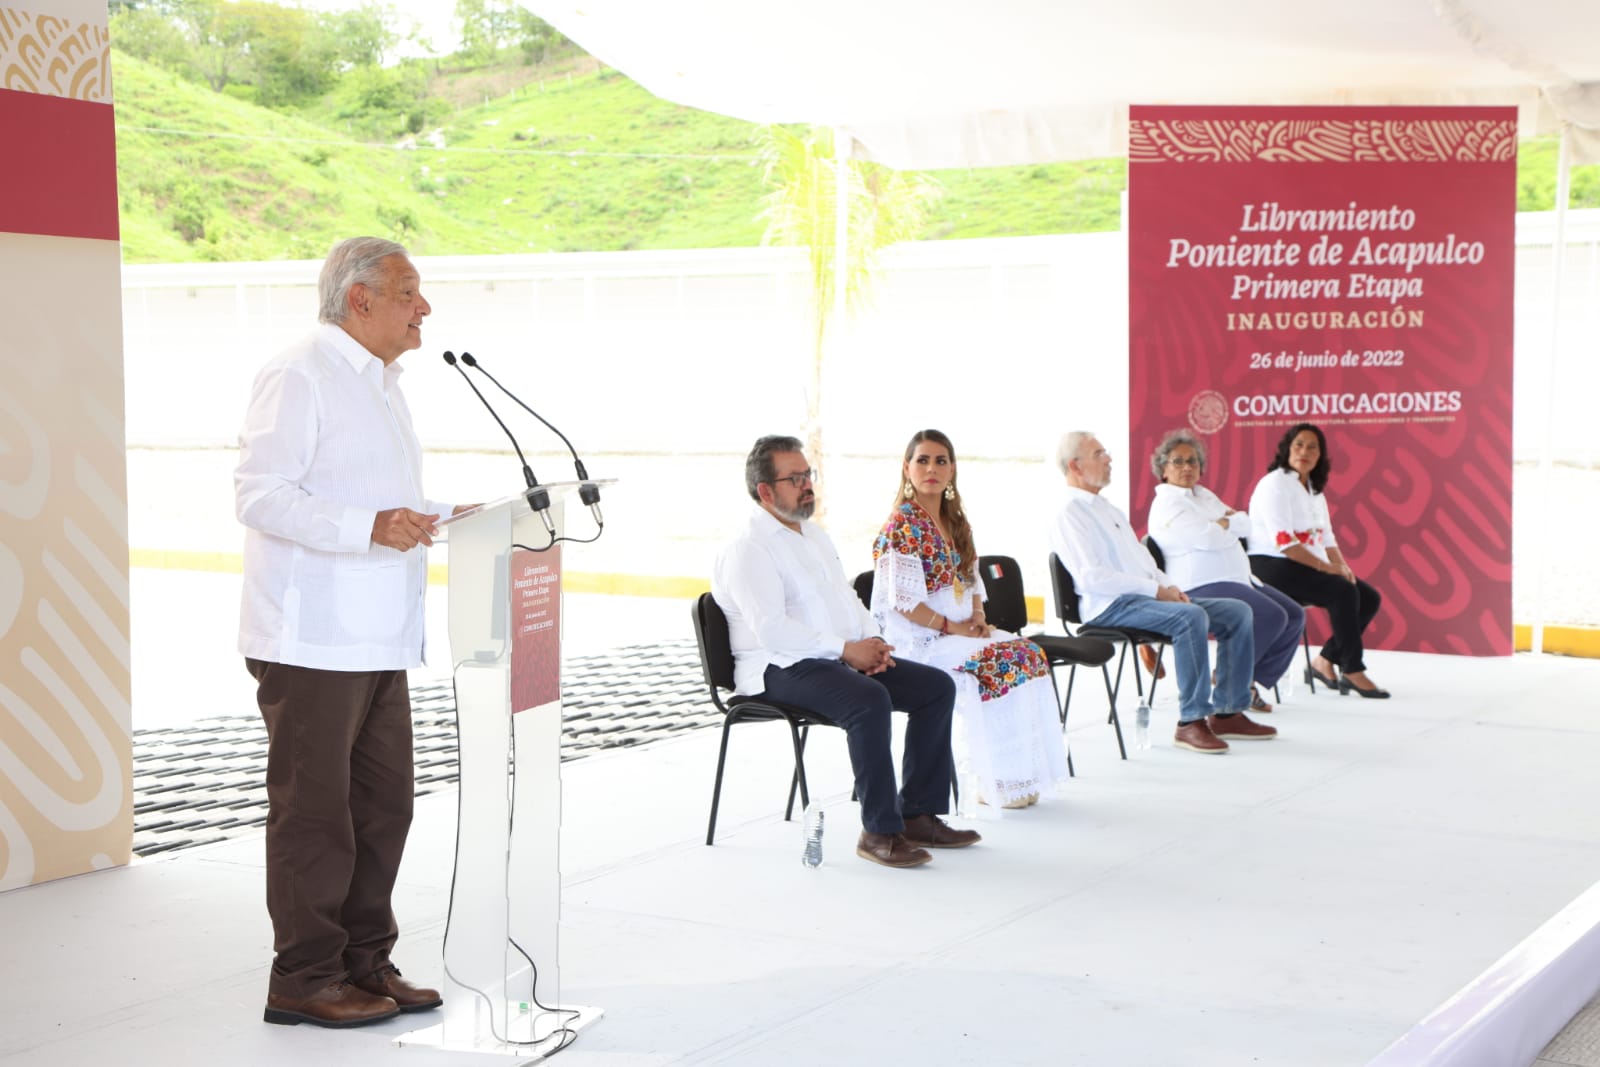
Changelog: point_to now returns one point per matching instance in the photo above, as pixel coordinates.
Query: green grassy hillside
(556, 161)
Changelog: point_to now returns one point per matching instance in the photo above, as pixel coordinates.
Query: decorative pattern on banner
(1352, 268)
(54, 57)
(66, 790)
(1322, 141)
(535, 628)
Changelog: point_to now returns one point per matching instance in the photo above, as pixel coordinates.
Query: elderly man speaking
(1119, 585)
(329, 488)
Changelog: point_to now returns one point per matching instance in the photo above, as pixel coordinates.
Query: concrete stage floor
(1296, 902)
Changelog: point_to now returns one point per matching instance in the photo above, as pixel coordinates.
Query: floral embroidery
(1304, 537)
(1002, 666)
(909, 532)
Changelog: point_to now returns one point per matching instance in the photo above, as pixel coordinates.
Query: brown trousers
(339, 795)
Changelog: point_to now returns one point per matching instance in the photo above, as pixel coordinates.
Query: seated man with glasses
(800, 636)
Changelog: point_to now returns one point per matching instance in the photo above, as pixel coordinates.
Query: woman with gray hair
(1200, 538)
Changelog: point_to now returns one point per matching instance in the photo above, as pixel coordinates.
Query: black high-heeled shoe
(1336, 684)
(1347, 686)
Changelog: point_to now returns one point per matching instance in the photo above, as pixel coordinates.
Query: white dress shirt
(1197, 550)
(1097, 546)
(327, 443)
(1284, 512)
(786, 598)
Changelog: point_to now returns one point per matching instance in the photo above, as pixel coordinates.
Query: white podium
(502, 970)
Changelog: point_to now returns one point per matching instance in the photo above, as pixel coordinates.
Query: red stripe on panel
(58, 173)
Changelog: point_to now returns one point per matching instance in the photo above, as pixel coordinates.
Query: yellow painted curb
(1581, 641)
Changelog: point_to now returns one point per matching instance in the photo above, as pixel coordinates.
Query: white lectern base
(549, 1029)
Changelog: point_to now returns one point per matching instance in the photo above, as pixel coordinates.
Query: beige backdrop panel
(66, 795)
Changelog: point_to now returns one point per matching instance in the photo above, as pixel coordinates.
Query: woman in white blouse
(1199, 536)
(1292, 548)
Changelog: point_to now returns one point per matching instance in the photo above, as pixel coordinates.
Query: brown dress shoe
(338, 1005)
(1152, 665)
(891, 850)
(1197, 737)
(1240, 726)
(386, 982)
(930, 831)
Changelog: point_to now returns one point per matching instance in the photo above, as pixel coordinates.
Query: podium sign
(502, 973)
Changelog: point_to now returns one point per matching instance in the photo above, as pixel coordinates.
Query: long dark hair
(1319, 473)
(951, 513)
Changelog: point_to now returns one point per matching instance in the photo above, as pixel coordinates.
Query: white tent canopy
(928, 84)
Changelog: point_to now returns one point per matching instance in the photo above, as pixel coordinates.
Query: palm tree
(884, 206)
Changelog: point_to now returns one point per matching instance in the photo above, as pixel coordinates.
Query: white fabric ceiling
(950, 83)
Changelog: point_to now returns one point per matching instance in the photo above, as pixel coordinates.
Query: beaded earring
(950, 491)
(908, 492)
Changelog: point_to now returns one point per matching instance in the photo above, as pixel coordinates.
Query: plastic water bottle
(812, 856)
(1141, 727)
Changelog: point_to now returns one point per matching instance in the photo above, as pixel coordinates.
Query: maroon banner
(1352, 268)
(58, 175)
(535, 628)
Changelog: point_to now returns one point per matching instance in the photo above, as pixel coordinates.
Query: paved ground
(204, 782)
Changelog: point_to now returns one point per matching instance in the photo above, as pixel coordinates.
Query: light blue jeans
(1187, 625)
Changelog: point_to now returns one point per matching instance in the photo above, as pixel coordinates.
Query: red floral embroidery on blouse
(909, 532)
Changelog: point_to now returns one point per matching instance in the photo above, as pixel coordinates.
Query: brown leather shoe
(1240, 726)
(338, 1005)
(930, 831)
(386, 982)
(1197, 737)
(1152, 665)
(891, 850)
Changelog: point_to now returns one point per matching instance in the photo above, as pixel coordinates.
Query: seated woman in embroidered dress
(1199, 536)
(928, 599)
(1292, 549)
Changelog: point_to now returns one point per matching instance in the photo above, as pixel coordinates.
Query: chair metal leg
(716, 788)
(1072, 676)
(799, 734)
(1111, 694)
(1305, 642)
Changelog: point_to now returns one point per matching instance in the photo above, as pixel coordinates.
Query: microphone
(588, 492)
(537, 495)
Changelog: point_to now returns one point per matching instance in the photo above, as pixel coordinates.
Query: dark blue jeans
(862, 704)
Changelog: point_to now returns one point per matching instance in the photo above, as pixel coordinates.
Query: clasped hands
(870, 655)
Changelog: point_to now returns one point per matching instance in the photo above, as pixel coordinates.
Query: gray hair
(759, 468)
(1072, 443)
(353, 261)
(1158, 458)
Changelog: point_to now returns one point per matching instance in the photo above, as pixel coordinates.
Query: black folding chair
(1006, 607)
(716, 663)
(1066, 597)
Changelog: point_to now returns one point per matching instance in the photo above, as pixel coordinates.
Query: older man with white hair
(1119, 584)
(329, 488)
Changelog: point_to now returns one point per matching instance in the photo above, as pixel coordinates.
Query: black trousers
(339, 796)
(862, 704)
(1350, 607)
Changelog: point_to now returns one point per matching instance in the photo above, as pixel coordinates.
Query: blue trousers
(1279, 623)
(1187, 626)
(862, 705)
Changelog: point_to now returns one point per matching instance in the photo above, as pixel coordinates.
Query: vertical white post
(1547, 545)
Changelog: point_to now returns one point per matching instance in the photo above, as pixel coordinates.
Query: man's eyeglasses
(799, 481)
(1183, 461)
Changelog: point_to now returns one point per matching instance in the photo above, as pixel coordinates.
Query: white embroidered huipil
(327, 443)
(1284, 512)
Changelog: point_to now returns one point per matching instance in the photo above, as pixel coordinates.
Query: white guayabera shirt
(327, 443)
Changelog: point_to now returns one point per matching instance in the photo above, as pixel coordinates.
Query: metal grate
(206, 782)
